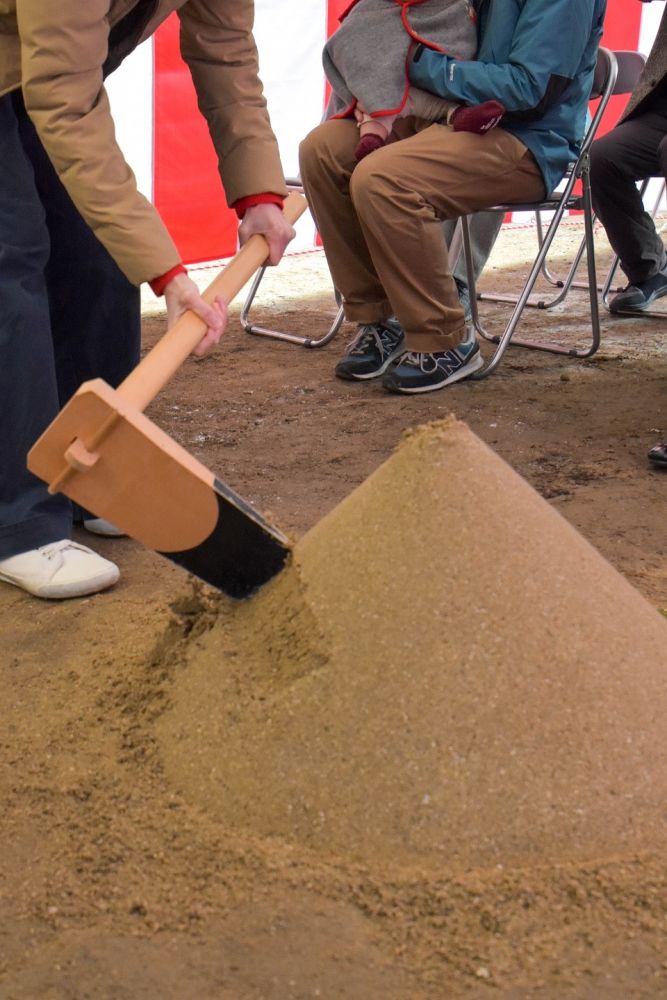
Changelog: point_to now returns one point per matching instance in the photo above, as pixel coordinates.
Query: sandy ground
(115, 884)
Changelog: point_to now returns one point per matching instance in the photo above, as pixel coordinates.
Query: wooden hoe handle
(153, 373)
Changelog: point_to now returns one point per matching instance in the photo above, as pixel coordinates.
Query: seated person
(634, 150)
(381, 219)
(376, 90)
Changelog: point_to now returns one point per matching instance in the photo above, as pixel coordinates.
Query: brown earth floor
(113, 886)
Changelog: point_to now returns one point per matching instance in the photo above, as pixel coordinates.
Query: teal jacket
(536, 57)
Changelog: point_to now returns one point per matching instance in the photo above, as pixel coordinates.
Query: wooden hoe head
(103, 453)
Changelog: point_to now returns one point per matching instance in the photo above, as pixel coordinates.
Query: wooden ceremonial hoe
(103, 453)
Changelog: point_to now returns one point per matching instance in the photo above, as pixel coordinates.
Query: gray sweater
(365, 59)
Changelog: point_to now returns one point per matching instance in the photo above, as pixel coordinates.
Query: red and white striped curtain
(166, 141)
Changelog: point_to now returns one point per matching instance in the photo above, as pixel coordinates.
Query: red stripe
(621, 31)
(187, 189)
(335, 11)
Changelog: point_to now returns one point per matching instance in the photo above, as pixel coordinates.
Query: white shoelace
(53, 549)
(383, 337)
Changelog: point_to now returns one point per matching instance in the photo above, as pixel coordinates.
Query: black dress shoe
(658, 455)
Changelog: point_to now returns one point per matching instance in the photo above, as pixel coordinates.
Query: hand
(271, 223)
(359, 113)
(182, 294)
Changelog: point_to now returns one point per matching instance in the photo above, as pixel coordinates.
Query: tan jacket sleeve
(63, 51)
(219, 48)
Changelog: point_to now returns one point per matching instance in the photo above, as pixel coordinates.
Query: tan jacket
(56, 52)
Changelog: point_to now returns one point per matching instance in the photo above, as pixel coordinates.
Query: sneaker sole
(637, 310)
(458, 376)
(349, 377)
(60, 592)
(103, 533)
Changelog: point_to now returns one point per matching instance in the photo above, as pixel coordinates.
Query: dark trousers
(67, 314)
(634, 150)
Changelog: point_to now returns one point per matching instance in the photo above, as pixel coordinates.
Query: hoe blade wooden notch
(103, 453)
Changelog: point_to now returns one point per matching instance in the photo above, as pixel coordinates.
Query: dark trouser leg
(29, 517)
(95, 310)
(66, 315)
(630, 153)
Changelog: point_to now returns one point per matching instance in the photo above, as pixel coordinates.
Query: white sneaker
(59, 570)
(98, 526)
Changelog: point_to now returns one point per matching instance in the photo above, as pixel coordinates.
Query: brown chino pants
(380, 219)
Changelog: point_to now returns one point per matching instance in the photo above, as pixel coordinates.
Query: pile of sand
(447, 675)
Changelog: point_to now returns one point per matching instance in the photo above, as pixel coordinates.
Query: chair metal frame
(559, 202)
(628, 70)
(293, 184)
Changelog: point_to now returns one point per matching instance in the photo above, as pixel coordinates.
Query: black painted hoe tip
(243, 551)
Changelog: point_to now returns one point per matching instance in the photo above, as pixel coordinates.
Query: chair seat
(549, 204)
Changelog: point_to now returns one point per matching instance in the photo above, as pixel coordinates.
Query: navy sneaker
(373, 349)
(421, 372)
(637, 297)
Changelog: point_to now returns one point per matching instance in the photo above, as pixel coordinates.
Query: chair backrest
(616, 72)
(604, 84)
(630, 65)
(606, 73)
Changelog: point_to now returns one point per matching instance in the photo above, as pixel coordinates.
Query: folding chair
(604, 85)
(630, 65)
(293, 184)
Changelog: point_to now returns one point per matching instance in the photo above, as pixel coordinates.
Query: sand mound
(448, 674)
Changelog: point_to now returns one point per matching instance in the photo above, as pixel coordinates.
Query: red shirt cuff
(160, 283)
(243, 204)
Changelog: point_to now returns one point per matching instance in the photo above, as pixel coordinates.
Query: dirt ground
(115, 886)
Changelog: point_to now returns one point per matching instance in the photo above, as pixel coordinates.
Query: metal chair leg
(564, 284)
(292, 338)
(293, 184)
(503, 341)
(567, 283)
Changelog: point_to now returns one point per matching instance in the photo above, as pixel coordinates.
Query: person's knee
(602, 161)
(370, 185)
(308, 152)
(317, 149)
